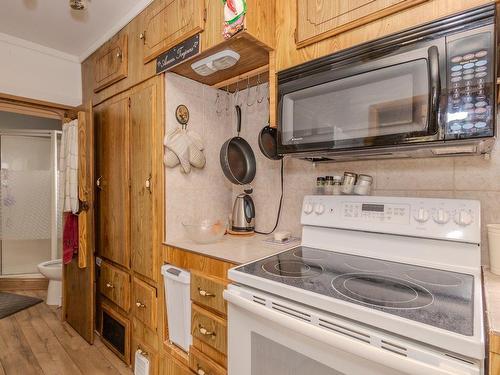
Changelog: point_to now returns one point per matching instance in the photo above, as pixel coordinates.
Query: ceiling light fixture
(78, 4)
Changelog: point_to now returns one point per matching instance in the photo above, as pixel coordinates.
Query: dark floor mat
(12, 303)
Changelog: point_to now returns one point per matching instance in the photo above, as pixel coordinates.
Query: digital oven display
(372, 207)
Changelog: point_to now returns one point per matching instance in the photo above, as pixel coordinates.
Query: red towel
(70, 238)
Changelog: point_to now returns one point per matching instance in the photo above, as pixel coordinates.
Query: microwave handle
(435, 87)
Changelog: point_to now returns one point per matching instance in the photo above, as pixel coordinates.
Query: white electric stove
(380, 285)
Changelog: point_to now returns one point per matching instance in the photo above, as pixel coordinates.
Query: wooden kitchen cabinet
(114, 284)
(170, 366)
(111, 62)
(318, 20)
(145, 303)
(111, 121)
(169, 22)
(143, 108)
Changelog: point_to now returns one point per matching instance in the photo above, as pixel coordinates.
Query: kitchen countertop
(492, 297)
(233, 249)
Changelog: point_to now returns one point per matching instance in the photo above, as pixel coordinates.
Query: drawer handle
(204, 293)
(110, 285)
(140, 305)
(200, 371)
(205, 332)
(147, 183)
(142, 352)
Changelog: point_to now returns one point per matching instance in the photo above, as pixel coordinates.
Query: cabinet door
(113, 200)
(111, 62)
(169, 22)
(169, 366)
(320, 19)
(142, 115)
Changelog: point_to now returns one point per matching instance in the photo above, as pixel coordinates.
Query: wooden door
(79, 291)
(113, 181)
(142, 116)
(320, 19)
(169, 22)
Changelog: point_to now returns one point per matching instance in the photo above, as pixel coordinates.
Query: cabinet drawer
(208, 292)
(111, 63)
(202, 365)
(147, 352)
(209, 329)
(144, 303)
(115, 285)
(169, 366)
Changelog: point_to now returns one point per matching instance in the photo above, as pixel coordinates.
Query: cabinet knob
(142, 36)
(119, 55)
(98, 183)
(204, 293)
(200, 371)
(205, 332)
(140, 305)
(110, 285)
(147, 183)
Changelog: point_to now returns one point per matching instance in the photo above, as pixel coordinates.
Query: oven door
(384, 101)
(279, 341)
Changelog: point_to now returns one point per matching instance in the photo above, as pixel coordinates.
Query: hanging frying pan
(268, 143)
(237, 158)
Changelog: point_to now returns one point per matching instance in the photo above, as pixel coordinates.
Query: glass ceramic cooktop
(442, 299)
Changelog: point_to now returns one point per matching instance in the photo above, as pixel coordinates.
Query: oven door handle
(435, 88)
(355, 347)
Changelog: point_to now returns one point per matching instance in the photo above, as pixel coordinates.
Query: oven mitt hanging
(234, 17)
(184, 148)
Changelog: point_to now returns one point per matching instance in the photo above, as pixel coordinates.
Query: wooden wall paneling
(113, 174)
(142, 119)
(288, 55)
(317, 20)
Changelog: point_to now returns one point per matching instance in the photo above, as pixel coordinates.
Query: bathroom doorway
(30, 218)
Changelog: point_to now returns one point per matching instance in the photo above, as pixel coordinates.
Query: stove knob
(422, 215)
(463, 218)
(441, 216)
(308, 208)
(319, 209)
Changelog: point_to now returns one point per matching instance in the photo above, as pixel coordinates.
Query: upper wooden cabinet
(111, 62)
(169, 22)
(319, 19)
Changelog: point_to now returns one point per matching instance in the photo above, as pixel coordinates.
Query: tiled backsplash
(460, 177)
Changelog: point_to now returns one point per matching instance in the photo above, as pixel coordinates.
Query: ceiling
(53, 24)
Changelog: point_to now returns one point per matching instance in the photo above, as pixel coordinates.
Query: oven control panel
(453, 219)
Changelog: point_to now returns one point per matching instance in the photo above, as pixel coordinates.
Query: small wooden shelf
(254, 56)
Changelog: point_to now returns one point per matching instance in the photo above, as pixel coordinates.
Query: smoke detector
(78, 4)
(218, 61)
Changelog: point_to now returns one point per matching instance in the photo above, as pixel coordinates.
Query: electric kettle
(243, 219)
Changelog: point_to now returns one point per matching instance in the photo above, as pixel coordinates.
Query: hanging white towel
(68, 162)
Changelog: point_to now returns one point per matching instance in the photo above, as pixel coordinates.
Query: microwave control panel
(470, 83)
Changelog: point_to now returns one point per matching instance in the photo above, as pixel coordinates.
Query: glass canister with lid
(363, 185)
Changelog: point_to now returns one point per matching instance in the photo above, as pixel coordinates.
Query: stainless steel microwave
(428, 91)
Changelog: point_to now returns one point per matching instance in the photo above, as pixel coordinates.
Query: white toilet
(52, 270)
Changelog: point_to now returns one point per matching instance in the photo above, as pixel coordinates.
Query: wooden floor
(35, 341)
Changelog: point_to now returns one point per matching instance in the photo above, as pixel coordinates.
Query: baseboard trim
(22, 283)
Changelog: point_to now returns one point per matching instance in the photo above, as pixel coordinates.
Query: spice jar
(337, 185)
(320, 186)
(348, 182)
(329, 184)
(364, 185)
